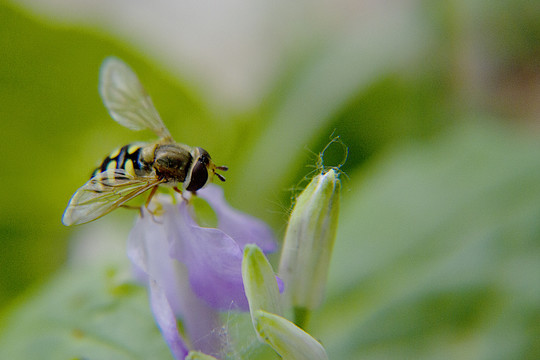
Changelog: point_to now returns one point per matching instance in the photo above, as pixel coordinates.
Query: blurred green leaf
(438, 252)
(83, 313)
(336, 71)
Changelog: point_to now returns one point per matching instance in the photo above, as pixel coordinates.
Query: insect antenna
(222, 168)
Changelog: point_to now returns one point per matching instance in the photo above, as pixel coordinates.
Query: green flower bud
(287, 339)
(196, 355)
(309, 240)
(260, 282)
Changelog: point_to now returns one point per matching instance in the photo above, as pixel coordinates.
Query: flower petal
(149, 250)
(201, 322)
(158, 274)
(166, 321)
(213, 260)
(243, 228)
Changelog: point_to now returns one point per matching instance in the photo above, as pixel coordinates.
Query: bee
(139, 167)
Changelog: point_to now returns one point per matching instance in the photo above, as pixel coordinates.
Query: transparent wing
(125, 98)
(104, 193)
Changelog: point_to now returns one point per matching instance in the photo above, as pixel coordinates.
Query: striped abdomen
(128, 158)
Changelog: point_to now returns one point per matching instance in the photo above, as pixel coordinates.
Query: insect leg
(132, 207)
(158, 210)
(152, 193)
(182, 194)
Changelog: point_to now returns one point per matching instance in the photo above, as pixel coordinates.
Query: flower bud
(309, 240)
(196, 355)
(260, 284)
(287, 339)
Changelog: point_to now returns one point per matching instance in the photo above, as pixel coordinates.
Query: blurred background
(438, 249)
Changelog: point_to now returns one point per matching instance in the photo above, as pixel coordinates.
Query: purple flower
(193, 272)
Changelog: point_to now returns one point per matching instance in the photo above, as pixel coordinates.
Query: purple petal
(243, 228)
(149, 264)
(214, 262)
(166, 321)
(280, 284)
(200, 321)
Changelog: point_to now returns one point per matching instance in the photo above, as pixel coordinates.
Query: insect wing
(125, 98)
(104, 193)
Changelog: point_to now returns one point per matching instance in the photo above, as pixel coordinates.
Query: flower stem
(301, 316)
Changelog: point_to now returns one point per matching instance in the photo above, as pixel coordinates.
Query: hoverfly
(136, 168)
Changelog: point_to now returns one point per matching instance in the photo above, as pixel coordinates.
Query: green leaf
(83, 313)
(336, 70)
(438, 253)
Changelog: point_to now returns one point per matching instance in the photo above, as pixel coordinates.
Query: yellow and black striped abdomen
(127, 158)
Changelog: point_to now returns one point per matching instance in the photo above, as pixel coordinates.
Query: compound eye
(199, 176)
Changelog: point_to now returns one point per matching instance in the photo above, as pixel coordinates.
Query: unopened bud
(287, 339)
(309, 240)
